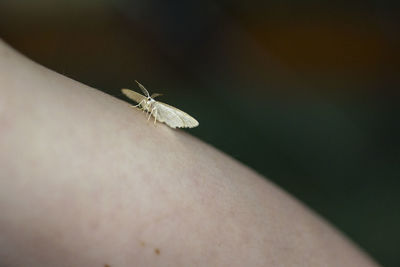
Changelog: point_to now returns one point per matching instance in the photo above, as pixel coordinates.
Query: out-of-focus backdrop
(304, 92)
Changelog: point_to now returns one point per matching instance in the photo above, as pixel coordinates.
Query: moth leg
(145, 107)
(152, 110)
(132, 106)
(155, 115)
(140, 103)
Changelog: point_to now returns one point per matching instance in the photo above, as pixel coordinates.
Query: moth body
(161, 112)
(147, 104)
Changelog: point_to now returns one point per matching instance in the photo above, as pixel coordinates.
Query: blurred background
(304, 92)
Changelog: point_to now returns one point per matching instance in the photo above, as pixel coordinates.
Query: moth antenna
(143, 89)
(155, 95)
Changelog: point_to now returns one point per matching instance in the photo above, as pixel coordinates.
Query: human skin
(85, 180)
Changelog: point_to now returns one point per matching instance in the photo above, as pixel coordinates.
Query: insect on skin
(161, 112)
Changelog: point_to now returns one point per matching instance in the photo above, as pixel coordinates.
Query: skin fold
(85, 180)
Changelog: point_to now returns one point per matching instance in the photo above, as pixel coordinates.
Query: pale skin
(86, 181)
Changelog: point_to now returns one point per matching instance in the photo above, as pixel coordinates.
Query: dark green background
(304, 92)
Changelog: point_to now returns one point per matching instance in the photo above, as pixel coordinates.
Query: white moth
(161, 112)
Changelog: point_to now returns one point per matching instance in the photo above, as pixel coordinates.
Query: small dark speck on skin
(142, 243)
(157, 251)
(106, 265)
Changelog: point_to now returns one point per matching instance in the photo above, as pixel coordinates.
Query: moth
(161, 112)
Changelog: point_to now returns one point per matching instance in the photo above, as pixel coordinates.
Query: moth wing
(133, 95)
(174, 117)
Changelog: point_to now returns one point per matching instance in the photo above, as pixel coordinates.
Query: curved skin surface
(85, 180)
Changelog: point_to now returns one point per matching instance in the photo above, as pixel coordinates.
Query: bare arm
(85, 181)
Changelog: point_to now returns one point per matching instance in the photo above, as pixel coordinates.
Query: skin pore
(85, 180)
